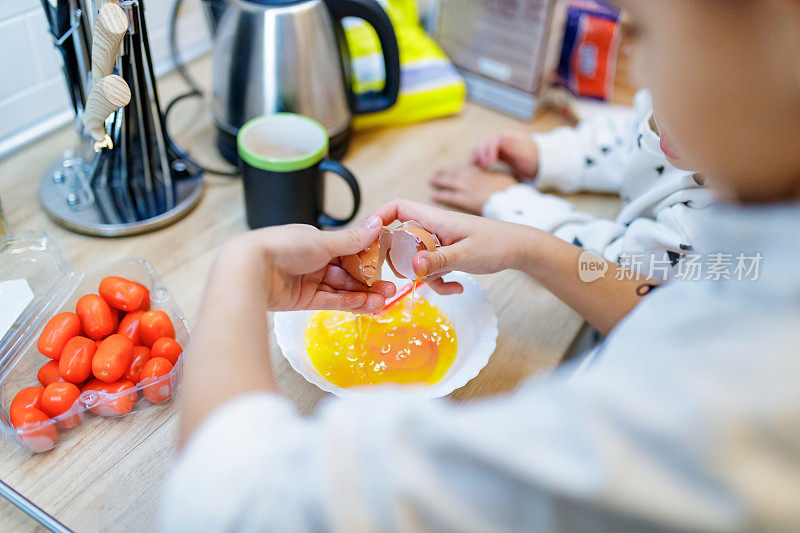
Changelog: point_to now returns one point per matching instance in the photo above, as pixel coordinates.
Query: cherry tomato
(122, 294)
(49, 373)
(129, 326)
(153, 325)
(113, 358)
(168, 348)
(56, 333)
(75, 364)
(115, 315)
(154, 390)
(35, 430)
(97, 320)
(58, 399)
(103, 405)
(146, 301)
(27, 398)
(141, 354)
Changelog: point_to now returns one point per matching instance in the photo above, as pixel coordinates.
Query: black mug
(283, 158)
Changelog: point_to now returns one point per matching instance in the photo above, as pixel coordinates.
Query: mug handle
(331, 165)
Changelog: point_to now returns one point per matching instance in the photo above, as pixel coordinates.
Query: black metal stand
(143, 182)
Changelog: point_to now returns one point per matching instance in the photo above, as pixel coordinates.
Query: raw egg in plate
(437, 349)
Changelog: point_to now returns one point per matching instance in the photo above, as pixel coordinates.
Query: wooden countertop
(109, 475)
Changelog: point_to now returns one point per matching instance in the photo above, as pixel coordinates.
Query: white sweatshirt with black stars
(613, 152)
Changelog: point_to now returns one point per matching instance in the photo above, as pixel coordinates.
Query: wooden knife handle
(109, 29)
(108, 95)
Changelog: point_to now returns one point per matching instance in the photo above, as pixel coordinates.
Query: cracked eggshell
(366, 265)
(406, 240)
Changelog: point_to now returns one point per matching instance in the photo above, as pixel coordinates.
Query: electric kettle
(275, 56)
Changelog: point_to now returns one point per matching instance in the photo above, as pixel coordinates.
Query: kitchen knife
(57, 13)
(108, 95)
(109, 28)
(159, 132)
(117, 173)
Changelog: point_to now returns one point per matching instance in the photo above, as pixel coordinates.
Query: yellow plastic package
(430, 86)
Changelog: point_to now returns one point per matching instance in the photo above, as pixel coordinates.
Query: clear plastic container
(39, 260)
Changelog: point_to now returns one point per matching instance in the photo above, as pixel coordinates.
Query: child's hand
(301, 267)
(515, 148)
(468, 187)
(271, 269)
(468, 243)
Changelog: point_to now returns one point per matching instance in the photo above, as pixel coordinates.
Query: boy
(623, 153)
(689, 420)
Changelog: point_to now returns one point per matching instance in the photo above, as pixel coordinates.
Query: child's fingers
(351, 240)
(403, 210)
(481, 149)
(447, 197)
(475, 156)
(372, 304)
(446, 225)
(490, 152)
(447, 182)
(344, 301)
(443, 259)
(361, 302)
(485, 151)
(477, 152)
(338, 279)
(387, 289)
(442, 178)
(445, 288)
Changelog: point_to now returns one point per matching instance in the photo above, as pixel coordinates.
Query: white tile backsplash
(18, 71)
(193, 32)
(18, 112)
(10, 8)
(32, 88)
(43, 50)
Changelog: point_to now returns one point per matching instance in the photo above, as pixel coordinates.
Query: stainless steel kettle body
(290, 56)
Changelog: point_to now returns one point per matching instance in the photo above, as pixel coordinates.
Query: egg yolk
(412, 342)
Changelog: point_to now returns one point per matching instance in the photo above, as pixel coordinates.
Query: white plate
(470, 312)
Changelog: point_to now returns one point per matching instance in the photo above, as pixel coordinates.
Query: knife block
(141, 184)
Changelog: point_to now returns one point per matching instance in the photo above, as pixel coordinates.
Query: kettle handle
(373, 14)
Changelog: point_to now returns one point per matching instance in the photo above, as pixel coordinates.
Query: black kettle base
(226, 144)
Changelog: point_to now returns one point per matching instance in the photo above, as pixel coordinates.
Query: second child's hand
(483, 246)
(517, 149)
